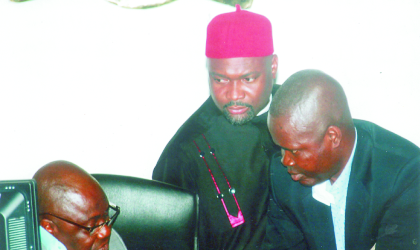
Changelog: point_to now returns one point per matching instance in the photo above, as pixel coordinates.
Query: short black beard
(241, 120)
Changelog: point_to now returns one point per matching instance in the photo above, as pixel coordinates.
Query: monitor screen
(19, 215)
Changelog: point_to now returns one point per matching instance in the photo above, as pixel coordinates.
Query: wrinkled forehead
(78, 202)
(289, 132)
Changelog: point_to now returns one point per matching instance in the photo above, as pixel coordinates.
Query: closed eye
(292, 151)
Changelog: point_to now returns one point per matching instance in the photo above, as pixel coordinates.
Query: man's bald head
(68, 193)
(58, 180)
(310, 120)
(312, 97)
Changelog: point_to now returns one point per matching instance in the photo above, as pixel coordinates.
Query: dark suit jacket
(383, 199)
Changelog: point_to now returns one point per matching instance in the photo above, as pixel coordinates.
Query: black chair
(154, 215)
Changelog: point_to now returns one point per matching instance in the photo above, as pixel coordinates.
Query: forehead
(236, 65)
(288, 132)
(83, 204)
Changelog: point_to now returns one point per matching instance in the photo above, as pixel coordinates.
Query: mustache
(237, 103)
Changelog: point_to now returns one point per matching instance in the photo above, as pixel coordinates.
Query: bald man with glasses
(74, 212)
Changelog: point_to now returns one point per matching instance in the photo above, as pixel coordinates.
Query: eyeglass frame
(109, 222)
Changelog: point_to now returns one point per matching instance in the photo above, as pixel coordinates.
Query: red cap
(239, 34)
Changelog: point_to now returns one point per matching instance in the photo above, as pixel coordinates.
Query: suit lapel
(319, 223)
(356, 214)
(357, 203)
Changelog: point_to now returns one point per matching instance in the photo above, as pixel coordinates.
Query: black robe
(243, 154)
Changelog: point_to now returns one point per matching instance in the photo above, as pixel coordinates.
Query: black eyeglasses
(109, 222)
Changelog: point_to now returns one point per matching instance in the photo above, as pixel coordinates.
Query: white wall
(107, 87)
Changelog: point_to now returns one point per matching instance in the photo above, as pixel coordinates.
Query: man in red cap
(221, 150)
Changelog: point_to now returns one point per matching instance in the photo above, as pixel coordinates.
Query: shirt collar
(48, 241)
(265, 109)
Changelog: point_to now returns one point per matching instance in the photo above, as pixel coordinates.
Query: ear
(334, 135)
(48, 225)
(274, 66)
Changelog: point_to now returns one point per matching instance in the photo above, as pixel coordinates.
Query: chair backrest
(154, 215)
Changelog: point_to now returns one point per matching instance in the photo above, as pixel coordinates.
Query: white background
(107, 87)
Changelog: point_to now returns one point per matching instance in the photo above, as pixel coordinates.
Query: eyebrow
(288, 149)
(242, 76)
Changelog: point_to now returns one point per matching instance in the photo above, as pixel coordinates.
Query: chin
(238, 119)
(308, 182)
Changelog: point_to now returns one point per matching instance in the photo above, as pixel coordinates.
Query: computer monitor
(19, 228)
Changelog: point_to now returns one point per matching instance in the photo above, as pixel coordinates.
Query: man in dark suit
(353, 185)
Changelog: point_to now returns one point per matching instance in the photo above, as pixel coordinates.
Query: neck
(347, 146)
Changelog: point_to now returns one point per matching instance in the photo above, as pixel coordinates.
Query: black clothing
(242, 154)
(382, 205)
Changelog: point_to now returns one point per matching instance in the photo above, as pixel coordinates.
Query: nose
(104, 232)
(286, 158)
(235, 91)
